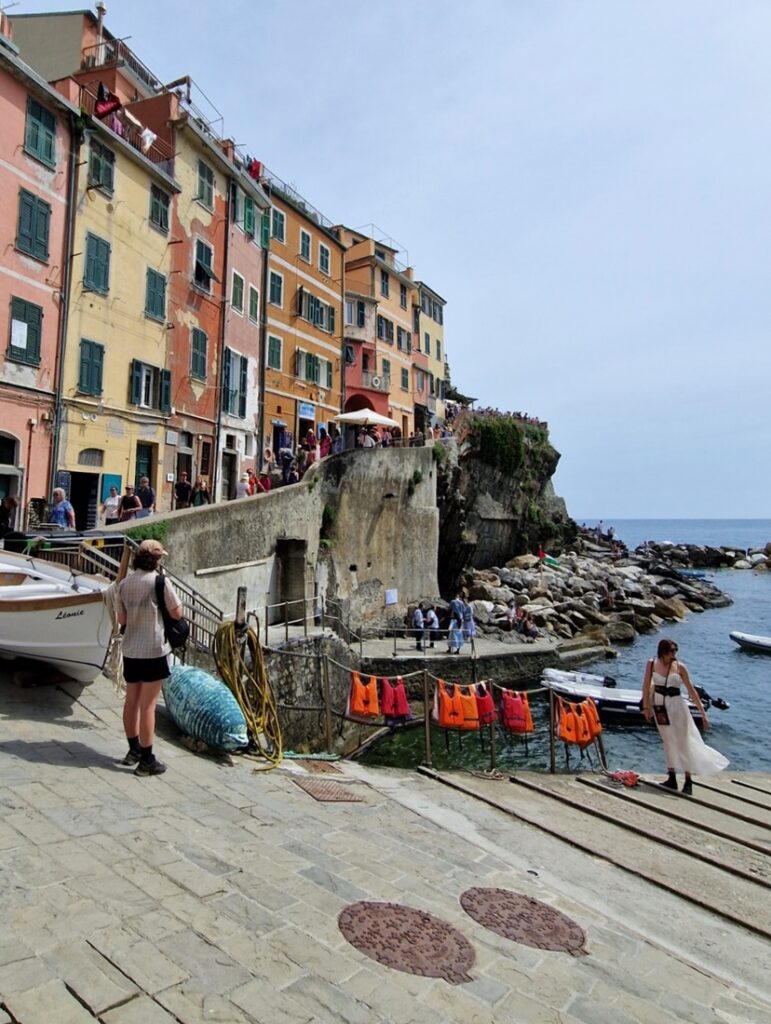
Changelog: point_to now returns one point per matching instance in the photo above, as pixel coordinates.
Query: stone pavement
(212, 894)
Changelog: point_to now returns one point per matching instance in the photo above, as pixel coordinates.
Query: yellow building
(372, 270)
(116, 389)
(429, 338)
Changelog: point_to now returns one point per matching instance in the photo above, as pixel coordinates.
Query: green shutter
(225, 403)
(329, 374)
(25, 235)
(265, 230)
(331, 318)
(136, 382)
(165, 390)
(97, 363)
(249, 217)
(244, 383)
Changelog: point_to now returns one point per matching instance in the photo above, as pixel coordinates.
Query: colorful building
(36, 171)
(429, 337)
(303, 354)
(374, 277)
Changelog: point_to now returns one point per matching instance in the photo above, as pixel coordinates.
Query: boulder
(620, 632)
(482, 610)
(758, 559)
(669, 608)
(522, 562)
(743, 563)
(480, 590)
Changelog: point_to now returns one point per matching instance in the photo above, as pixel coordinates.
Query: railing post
(552, 750)
(305, 616)
(267, 609)
(286, 622)
(426, 719)
(327, 706)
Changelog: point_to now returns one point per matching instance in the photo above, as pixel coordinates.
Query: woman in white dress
(684, 749)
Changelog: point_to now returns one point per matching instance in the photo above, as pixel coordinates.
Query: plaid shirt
(144, 626)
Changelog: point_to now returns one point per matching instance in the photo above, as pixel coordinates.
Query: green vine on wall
(499, 440)
(153, 529)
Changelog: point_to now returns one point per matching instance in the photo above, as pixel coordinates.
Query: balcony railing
(115, 51)
(376, 381)
(157, 152)
(277, 185)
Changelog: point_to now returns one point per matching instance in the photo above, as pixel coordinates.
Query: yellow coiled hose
(240, 664)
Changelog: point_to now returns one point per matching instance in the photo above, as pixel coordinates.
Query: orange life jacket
(363, 701)
(450, 706)
(515, 712)
(468, 700)
(393, 698)
(572, 724)
(592, 716)
(485, 705)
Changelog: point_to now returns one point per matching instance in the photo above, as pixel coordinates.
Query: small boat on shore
(52, 614)
(615, 704)
(749, 642)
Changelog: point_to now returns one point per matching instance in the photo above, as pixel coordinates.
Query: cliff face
(496, 498)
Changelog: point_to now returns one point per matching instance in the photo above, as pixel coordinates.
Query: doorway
(291, 581)
(145, 465)
(84, 497)
(229, 475)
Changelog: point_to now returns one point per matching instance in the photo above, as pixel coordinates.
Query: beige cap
(153, 547)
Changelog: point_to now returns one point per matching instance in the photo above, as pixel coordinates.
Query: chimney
(6, 33)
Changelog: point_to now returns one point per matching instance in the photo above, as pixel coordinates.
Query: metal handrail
(157, 153)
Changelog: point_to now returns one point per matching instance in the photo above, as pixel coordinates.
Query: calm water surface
(713, 660)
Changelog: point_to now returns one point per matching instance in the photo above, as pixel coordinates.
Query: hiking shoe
(154, 767)
(687, 788)
(131, 758)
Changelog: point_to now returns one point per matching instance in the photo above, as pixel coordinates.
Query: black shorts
(145, 670)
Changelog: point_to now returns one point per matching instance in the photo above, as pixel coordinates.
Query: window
(203, 274)
(91, 363)
(198, 346)
(405, 380)
(150, 386)
(159, 209)
(278, 225)
(324, 257)
(315, 310)
(101, 166)
(254, 305)
(155, 295)
(34, 222)
(276, 289)
(305, 246)
(348, 312)
(40, 133)
(437, 313)
(26, 327)
(250, 216)
(425, 303)
(380, 254)
(329, 378)
(438, 349)
(237, 293)
(403, 340)
(385, 329)
(307, 366)
(350, 357)
(91, 457)
(419, 380)
(354, 313)
(427, 343)
(360, 313)
(384, 283)
(274, 352)
(386, 365)
(403, 296)
(97, 273)
(205, 191)
(234, 383)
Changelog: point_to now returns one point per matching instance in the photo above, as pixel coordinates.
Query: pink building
(35, 175)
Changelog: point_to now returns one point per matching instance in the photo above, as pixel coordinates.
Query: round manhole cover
(524, 920)
(408, 940)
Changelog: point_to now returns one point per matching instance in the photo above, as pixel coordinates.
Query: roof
(9, 58)
(434, 292)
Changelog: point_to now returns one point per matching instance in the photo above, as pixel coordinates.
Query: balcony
(157, 152)
(376, 381)
(115, 51)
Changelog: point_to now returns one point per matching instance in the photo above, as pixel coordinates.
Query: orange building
(383, 342)
(302, 364)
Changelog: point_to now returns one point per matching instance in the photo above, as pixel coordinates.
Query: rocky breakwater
(694, 556)
(586, 601)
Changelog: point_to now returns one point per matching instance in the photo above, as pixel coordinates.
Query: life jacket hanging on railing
(515, 712)
(572, 724)
(448, 710)
(393, 701)
(485, 704)
(592, 716)
(362, 699)
(468, 701)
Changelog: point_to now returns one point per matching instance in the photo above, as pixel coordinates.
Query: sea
(742, 733)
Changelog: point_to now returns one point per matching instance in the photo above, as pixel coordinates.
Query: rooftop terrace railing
(158, 152)
(115, 51)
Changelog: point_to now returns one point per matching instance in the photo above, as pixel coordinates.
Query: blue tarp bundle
(204, 708)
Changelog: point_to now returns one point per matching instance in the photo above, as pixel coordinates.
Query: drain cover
(408, 940)
(329, 792)
(318, 767)
(524, 920)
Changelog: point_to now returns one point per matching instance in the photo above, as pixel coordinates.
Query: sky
(586, 184)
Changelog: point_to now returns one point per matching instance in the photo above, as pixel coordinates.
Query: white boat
(748, 642)
(51, 614)
(614, 703)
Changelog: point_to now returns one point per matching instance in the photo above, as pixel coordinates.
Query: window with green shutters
(101, 166)
(438, 349)
(405, 380)
(155, 296)
(386, 364)
(329, 374)
(324, 259)
(40, 133)
(34, 225)
(312, 368)
(250, 218)
(159, 209)
(278, 230)
(234, 383)
(403, 296)
(265, 230)
(149, 386)
(198, 346)
(205, 192)
(203, 274)
(91, 364)
(254, 305)
(276, 289)
(26, 329)
(274, 352)
(305, 246)
(97, 273)
(237, 293)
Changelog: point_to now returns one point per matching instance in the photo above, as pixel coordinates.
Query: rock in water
(204, 708)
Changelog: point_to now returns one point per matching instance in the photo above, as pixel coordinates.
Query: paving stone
(10, 839)
(141, 1010)
(264, 1002)
(13, 950)
(138, 959)
(334, 884)
(24, 975)
(47, 1002)
(262, 958)
(192, 878)
(150, 880)
(328, 1003)
(97, 983)
(201, 959)
(191, 1005)
(392, 995)
(247, 913)
(4, 1018)
(315, 956)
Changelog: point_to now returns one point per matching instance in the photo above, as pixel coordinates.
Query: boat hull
(616, 705)
(749, 642)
